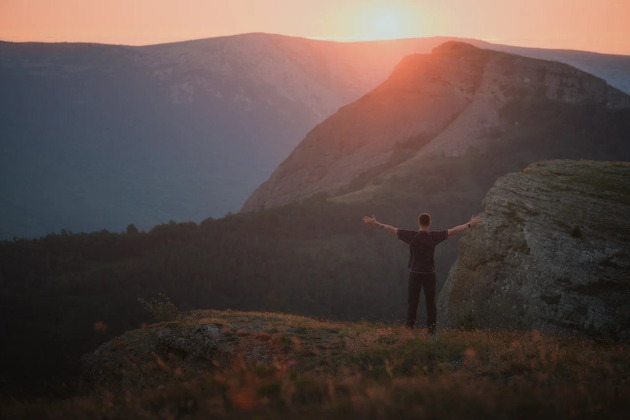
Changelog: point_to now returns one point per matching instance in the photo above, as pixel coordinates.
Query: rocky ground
(213, 364)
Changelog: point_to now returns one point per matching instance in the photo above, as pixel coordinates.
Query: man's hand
(474, 220)
(370, 220)
(387, 228)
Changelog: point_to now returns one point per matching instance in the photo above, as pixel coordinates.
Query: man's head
(424, 220)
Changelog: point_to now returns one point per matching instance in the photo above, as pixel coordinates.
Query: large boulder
(553, 253)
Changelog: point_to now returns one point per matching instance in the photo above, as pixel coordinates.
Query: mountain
(100, 136)
(552, 253)
(444, 103)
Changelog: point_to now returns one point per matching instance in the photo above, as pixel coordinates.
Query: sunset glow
(383, 21)
(386, 25)
(576, 24)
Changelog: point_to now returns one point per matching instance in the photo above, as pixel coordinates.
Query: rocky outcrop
(145, 357)
(553, 252)
(196, 343)
(443, 102)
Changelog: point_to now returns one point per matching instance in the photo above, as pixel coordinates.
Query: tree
(132, 229)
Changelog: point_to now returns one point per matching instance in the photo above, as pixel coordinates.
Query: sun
(380, 20)
(384, 23)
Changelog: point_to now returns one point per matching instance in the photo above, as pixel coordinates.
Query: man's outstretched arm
(387, 228)
(474, 221)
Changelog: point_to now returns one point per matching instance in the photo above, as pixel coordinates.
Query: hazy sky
(594, 25)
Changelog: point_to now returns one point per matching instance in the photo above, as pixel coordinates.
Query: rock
(553, 253)
(149, 356)
(198, 342)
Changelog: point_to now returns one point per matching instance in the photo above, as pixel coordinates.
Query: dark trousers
(417, 281)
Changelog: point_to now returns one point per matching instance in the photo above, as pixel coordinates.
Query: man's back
(421, 248)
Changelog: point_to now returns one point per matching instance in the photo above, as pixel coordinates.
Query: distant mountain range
(100, 136)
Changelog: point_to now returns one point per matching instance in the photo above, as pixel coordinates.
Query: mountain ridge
(444, 102)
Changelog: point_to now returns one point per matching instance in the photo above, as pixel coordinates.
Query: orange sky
(576, 24)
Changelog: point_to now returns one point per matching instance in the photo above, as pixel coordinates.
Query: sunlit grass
(319, 369)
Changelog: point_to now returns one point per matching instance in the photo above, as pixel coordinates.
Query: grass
(319, 369)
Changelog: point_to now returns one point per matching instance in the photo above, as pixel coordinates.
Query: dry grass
(365, 370)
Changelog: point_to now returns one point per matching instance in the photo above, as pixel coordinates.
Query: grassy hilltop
(229, 364)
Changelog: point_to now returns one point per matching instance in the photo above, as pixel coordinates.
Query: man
(421, 265)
